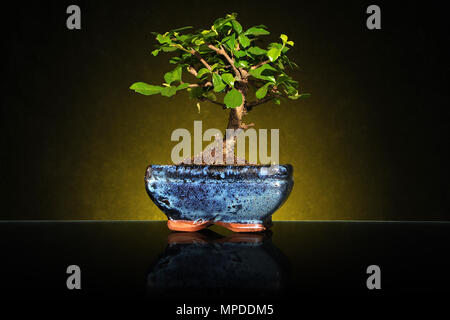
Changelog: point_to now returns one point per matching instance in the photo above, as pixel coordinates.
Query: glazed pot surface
(241, 198)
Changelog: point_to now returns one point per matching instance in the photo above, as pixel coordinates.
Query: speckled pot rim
(220, 172)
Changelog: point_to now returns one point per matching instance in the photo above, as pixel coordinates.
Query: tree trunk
(235, 123)
(236, 114)
(235, 118)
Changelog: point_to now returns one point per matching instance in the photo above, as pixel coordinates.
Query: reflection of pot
(205, 261)
(240, 198)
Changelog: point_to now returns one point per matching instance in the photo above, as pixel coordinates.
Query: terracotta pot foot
(186, 225)
(243, 227)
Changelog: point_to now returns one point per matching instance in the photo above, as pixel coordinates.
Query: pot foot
(186, 225)
(243, 227)
(192, 226)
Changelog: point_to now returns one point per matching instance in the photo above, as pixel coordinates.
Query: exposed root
(208, 156)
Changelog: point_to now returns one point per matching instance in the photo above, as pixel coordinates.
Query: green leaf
(275, 45)
(182, 86)
(221, 23)
(163, 38)
(276, 101)
(257, 50)
(195, 92)
(225, 39)
(219, 65)
(174, 75)
(228, 78)
(237, 26)
(218, 83)
(261, 92)
(256, 31)
(208, 34)
(216, 79)
(284, 38)
(202, 72)
(280, 64)
(155, 52)
(181, 38)
(168, 91)
(244, 40)
(265, 72)
(273, 54)
(210, 95)
(199, 42)
(240, 53)
(241, 64)
(233, 99)
(168, 77)
(304, 95)
(181, 29)
(231, 43)
(146, 89)
(174, 60)
(169, 48)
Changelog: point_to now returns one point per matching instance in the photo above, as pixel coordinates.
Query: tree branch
(206, 84)
(256, 66)
(212, 101)
(222, 52)
(192, 71)
(199, 57)
(246, 126)
(258, 102)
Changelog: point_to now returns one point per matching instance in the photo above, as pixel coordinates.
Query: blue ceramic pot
(240, 198)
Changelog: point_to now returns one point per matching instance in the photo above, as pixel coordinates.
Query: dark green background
(370, 143)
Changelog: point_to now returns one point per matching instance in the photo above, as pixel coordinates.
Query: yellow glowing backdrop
(327, 138)
(91, 138)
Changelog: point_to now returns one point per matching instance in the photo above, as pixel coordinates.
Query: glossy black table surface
(142, 259)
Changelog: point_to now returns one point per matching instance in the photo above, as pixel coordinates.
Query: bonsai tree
(228, 66)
